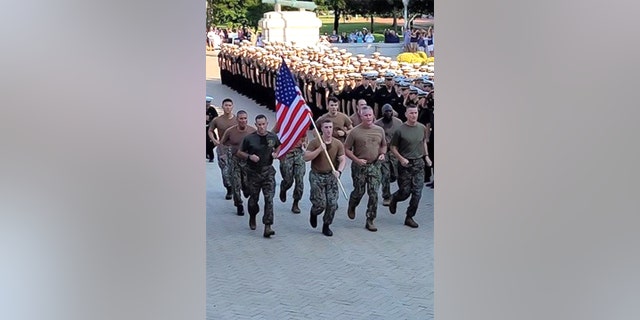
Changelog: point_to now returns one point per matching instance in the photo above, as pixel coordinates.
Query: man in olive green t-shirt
(409, 146)
(389, 167)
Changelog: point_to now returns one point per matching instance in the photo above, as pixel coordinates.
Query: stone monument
(299, 27)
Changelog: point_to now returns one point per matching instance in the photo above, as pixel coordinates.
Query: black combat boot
(229, 194)
(267, 231)
(370, 226)
(252, 221)
(393, 205)
(313, 219)
(294, 207)
(326, 231)
(408, 221)
(351, 212)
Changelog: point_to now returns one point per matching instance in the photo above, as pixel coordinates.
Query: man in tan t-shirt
(222, 123)
(236, 173)
(323, 178)
(355, 117)
(341, 122)
(366, 146)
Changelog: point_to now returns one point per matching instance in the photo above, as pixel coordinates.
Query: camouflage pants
(324, 195)
(292, 169)
(367, 178)
(238, 178)
(389, 170)
(223, 162)
(410, 183)
(261, 179)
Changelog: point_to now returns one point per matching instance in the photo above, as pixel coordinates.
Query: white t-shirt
(210, 35)
(369, 38)
(217, 40)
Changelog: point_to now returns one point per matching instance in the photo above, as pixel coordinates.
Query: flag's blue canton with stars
(285, 87)
(293, 116)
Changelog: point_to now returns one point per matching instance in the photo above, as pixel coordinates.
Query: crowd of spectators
(414, 39)
(217, 35)
(356, 36)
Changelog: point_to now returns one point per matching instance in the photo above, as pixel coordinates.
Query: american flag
(292, 113)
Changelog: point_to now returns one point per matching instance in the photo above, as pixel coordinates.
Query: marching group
(323, 72)
(376, 112)
(381, 152)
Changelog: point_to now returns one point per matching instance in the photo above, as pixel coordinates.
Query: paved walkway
(301, 274)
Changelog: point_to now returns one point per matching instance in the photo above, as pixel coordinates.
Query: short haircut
(261, 116)
(363, 108)
(411, 106)
(227, 100)
(326, 121)
(240, 112)
(333, 99)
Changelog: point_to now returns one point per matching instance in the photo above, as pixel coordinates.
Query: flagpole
(284, 65)
(327, 155)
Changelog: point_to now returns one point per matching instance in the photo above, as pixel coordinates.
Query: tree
(372, 8)
(419, 7)
(226, 12)
(234, 12)
(337, 6)
(256, 11)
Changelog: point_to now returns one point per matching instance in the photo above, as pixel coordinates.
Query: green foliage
(420, 6)
(256, 12)
(236, 12)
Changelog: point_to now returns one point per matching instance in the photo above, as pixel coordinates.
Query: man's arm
(401, 160)
(212, 134)
(426, 149)
(276, 151)
(347, 149)
(225, 137)
(242, 151)
(348, 125)
(351, 156)
(342, 160)
(383, 146)
(312, 154)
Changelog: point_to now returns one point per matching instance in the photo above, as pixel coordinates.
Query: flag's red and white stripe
(292, 120)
